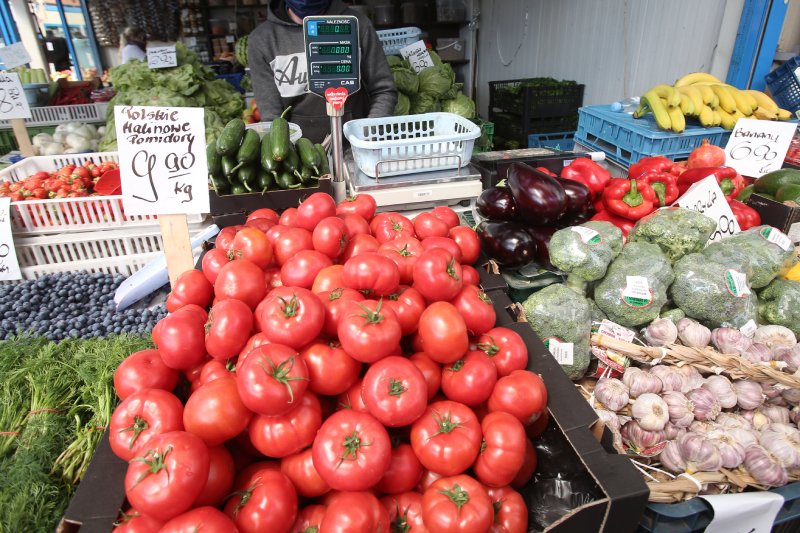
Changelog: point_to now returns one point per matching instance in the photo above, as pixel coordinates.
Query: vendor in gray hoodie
(278, 68)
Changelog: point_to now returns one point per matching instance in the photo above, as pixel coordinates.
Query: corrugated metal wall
(617, 48)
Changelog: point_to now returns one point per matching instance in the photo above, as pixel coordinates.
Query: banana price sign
(757, 147)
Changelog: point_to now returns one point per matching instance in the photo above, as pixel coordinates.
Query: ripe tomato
(261, 224)
(528, 467)
(140, 418)
(212, 263)
(510, 511)
(369, 331)
(404, 252)
(405, 512)
(457, 504)
(314, 209)
(330, 237)
(330, 370)
(245, 476)
(286, 434)
(363, 205)
(272, 379)
(267, 503)
(272, 277)
(522, 394)
(215, 413)
(309, 519)
(443, 333)
(292, 316)
(252, 343)
(356, 224)
(371, 272)
(428, 477)
(327, 279)
(241, 280)
(301, 269)
(200, 519)
(404, 471)
(212, 370)
(538, 427)
(444, 243)
(470, 380)
(445, 213)
(132, 521)
(351, 451)
(408, 304)
(506, 349)
(252, 245)
(437, 275)
(225, 237)
(476, 308)
(143, 370)
(191, 287)
(288, 217)
(395, 391)
(470, 275)
(168, 475)
(289, 242)
(355, 512)
(468, 241)
(360, 244)
(229, 325)
(503, 452)
(336, 303)
(431, 371)
(388, 226)
(221, 472)
(274, 232)
(351, 399)
(447, 437)
(263, 212)
(427, 225)
(299, 468)
(181, 339)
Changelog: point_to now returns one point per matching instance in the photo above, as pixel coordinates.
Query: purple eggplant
(508, 243)
(541, 236)
(540, 198)
(579, 197)
(497, 203)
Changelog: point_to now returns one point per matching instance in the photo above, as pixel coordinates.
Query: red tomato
(168, 476)
(445, 243)
(470, 380)
(371, 272)
(301, 269)
(213, 261)
(427, 225)
(299, 468)
(437, 275)
(143, 370)
(252, 245)
(476, 308)
(267, 503)
(140, 418)
(395, 391)
(289, 242)
(274, 232)
(229, 325)
(292, 316)
(200, 519)
(457, 504)
(404, 252)
(272, 277)
(181, 339)
(352, 399)
(404, 471)
(314, 209)
(336, 304)
(408, 304)
(503, 450)
(428, 477)
(330, 237)
(133, 521)
(388, 226)
(369, 331)
(521, 393)
(405, 512)
(286, 434)
(538, 427)
(261, 224)
(215, 413)
(356, 224)
(528, 467)
(363, 205)
(351, 451)
(443, 333)
(272, 379)
(309, 519)
(445, 213)
(264, 212)
(245, 476)
(506, 349)
(431, 371)
(510, 511)
(328, 279)
(212, 370)
(446, 438)
(221, 472)
(360, 244)
(470, 275)
(252, 343)
(191, 287)
(330, 370)
(288, 217)
(241, 280)
(355, 512)
(469, 243)
(225, 237)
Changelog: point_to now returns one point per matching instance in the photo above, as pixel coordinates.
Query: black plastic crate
(541, 101)
(513, 128)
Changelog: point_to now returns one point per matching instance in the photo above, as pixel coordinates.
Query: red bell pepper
(658, 163)
(628, 199)
(728, 179)
(623, 224)
(546, 171)
(746, 216)
(589, 173)
(663, 184)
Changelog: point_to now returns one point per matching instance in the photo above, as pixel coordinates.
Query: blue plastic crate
(784, 84)
(626, 140)
(233, 79)
(563, 141)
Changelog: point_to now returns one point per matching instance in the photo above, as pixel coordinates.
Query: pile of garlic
(70, 138)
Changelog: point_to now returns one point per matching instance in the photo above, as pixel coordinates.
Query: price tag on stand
(14, 55)
(417, 55)
(162, 56)
(14, 108)
(707, 198)
(757, 147)
(9, 266)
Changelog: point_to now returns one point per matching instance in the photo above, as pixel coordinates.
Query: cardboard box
(493, 166)
(244, 204)
(784, 217)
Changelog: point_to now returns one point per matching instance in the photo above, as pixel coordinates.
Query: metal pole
(339, 185)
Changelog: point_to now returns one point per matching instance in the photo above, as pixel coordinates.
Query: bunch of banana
(708, 99)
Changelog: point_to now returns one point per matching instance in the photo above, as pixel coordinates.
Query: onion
(707, 155)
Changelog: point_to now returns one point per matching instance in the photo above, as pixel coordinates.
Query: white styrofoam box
(262, 128)
(395, 39)
(58, 114)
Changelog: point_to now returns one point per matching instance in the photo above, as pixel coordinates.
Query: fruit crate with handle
(513, 131)
(70, 214)
(563, 141)
(59, 114)
(395, 39)
(543, 100)
(784, 84)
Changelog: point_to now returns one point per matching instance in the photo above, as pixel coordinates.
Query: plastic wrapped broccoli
(635, 287)
(760, 252)
(712, 292)
(779, 304)
(585, 251)
(562, 319)
(676, 230)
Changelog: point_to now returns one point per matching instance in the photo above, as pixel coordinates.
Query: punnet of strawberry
(70, 181)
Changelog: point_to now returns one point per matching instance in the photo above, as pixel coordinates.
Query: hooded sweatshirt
(278, 69)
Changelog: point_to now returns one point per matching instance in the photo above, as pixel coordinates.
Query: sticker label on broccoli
(776, 236)
(749, 329)
(736, 282)
(612, 329)
(637, 292)
(588, 236)
(562, 351)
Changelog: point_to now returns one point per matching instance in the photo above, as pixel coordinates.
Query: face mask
(305, 8)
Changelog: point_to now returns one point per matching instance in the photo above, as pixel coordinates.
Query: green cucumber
(267, 163)
(220, 184)
(309, 156)
(279, 137)
(788, 193)
(287, 180)
(238, 189)
(305, 174)
(214, 159)
(772, 181)
(248, 176)
(745, 194)
(323, 156)
(292, 161)
(228, 167)
(231, 137)
(249, 150)
(266, 181)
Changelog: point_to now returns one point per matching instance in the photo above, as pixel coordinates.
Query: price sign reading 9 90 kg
(13, 103)
(162, 159)
(757, 147)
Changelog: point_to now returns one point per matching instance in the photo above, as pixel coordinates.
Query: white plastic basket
(58, 114)
(402, 145)
(70, 214)
(395, 39)
(262, 128)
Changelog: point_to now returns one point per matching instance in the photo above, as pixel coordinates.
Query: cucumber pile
(240, 162)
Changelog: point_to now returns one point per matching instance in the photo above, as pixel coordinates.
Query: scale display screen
(332, 54)
(334, 49)
(335, 68)
(334, 29)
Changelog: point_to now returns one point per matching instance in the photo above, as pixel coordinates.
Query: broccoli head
(676, 230)
(635, 288)
(559, 313)
(779, 304)
(760, 252)
(713, 293)
(597, 314)
(585, 251)
(672, 314)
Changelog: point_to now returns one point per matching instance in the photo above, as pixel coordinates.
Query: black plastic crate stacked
(519, 108)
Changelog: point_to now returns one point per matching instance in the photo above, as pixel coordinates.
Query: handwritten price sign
(757, 147)
(9, 266)
(707, 198)
(14, 55)
(162, 156)
(13, 103)
(162, 56)
(417, 55)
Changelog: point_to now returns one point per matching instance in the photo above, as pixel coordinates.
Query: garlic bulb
(732, 420)
(698, 426)
(760, 420)
(671, 457)
(789, 355)
(748, 394)
(691, 378)
(661, 332)
(730, 451)
(792, 396)
(612, 393)
(743, 436)
(764, 467)
(692, 333)
(758, 353)
(650, 411)
(794, 414)
(609, 418)
(774, 336)
(670, 378)
(721, 387)
(639, 438)
(699, 453)
(730, 340)
(783, 441)
(706, 404)
(680, 408)
(640, 382)
(775, 413)
(770, 391)
(672, 432)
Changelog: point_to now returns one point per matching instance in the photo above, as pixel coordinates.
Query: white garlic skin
(691, 378)
(650, 411)
(693, 334)
(774, 336)
(700, 453)
(671, 379)
(758, 353)
(789, 355)
(721, 387)
(730, 340)
(764, 467)
(661, 332)
(671, 458)
(706, 404)
(749, 394)
(640, 438)
(640, 382)
(681, 410)
(783, 441)
(612, 393)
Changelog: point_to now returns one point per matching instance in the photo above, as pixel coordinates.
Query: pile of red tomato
(348, 377)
